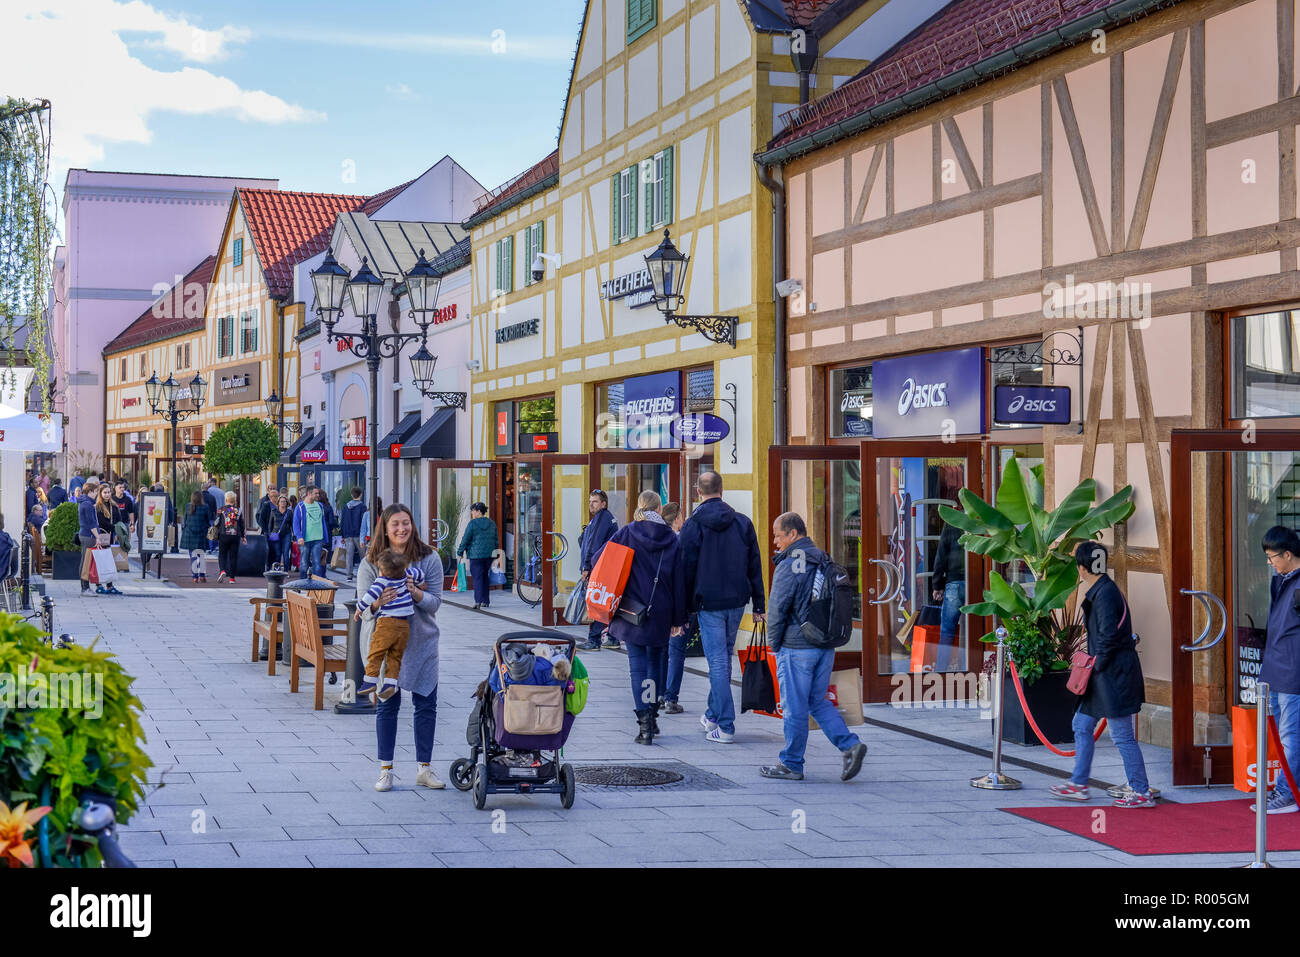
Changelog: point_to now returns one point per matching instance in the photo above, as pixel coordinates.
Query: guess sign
(445, 314)
(127, 403)
(343, 344)
(356, 453)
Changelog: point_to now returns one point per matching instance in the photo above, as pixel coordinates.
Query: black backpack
(829, 621)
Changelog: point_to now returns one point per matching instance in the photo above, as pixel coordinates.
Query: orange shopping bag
(758, 653)
(925, 645)
(1243, 751)
(607, 580)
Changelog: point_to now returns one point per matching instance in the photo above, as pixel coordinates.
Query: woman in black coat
(1115, 690)
(657, 582)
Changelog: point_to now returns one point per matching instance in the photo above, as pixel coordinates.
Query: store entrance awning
(436, 439)
(400, 433)
(311, 439)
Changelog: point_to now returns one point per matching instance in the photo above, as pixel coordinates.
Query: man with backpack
(724, 572)
(810, 614)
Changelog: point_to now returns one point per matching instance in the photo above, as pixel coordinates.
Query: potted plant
(1040, 635)
(450, 507)
(61, 542)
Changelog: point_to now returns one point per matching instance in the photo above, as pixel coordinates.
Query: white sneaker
(429, 780)
(706, 724)
(718, 736)
(385, 782)
(221, 577)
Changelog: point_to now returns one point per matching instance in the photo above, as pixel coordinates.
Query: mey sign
(701, 428)
(1032, 404)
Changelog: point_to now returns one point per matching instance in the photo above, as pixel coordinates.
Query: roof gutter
(491, 212)
(1017, 56)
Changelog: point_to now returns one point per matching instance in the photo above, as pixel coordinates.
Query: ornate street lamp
(667, 266)
(274, 406)
(166, 394)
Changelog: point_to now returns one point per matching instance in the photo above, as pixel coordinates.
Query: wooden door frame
(675, 459)
(550, 614)
(495, 491)
(877, 687)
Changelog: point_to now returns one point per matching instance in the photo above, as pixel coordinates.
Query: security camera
(539, 268)
(788, 287)
(474, 365)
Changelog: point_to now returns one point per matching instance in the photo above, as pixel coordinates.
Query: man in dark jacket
(724, 573)
(1281, 663)
(948, 586)
(1115, 690)
(350, 529)
(57, 493)
(802, 670)
(598, 531)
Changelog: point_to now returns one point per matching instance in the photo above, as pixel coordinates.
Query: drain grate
(627, 776)
(668, 775)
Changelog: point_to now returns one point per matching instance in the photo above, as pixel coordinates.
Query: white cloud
(399, 91)
(498, 43)
(75, 56)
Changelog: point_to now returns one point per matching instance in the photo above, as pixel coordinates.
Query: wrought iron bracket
(721, 329)
(1055, 349)
(735, 419)
(446, 400)
(293, 428)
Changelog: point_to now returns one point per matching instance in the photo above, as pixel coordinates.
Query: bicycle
(528, 583)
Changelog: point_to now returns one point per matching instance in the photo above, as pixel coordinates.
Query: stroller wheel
(569, 786)
(480, 786)
(462, 774)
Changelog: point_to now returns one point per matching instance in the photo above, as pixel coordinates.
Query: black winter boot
(654, 718)
(643, 719)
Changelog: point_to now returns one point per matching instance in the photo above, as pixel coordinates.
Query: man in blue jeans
(802, 670)
(724, 573)
(1281, 663)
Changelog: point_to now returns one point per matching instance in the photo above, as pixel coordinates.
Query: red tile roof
(961, 34)
(516, 189)
(288, 227)
(803, 12)
(167, 316)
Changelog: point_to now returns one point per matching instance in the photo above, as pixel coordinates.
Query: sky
(328, 95)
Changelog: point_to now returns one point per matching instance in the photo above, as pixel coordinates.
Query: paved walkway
(248, 774)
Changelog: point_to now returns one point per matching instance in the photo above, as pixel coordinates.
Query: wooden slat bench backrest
(323, 597)
(303, 623)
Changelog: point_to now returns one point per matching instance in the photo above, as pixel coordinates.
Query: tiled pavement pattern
(274, 783)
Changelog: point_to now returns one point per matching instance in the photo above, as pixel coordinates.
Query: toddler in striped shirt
(392, 624)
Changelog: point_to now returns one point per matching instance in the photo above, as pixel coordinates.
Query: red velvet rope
(1024, 706)
(1286, 768)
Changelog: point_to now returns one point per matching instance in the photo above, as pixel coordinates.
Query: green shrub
(61, 529)
(53, 754)
(143, 477)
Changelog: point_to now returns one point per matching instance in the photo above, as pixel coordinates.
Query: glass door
(625, 475)
(823, 484)
(565, 488)
(455, 486)
(905, 544)
(1223, 496)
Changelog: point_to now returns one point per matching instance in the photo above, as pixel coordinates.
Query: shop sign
(343, 343)
(141, 446)
(193, 450)
(935, 393)
(356, 453)
(127, 403)
(1032, 404)
(445, 314)
(505, 427)
(520, 330)
(153, 512)
(239, 384)
(316, 456)
(1250, 656)
(636, 287)
(650, 404)
(539, 441)
(394, 450)
(701, 429)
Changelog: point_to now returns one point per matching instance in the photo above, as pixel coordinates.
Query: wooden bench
(306, 633)
(268, 623)
(42, 561)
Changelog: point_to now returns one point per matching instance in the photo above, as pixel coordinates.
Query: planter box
(67, 565)
(1052, 704)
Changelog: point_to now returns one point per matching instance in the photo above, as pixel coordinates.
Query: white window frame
(626, 198)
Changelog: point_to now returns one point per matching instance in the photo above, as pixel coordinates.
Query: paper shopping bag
(845, 692)
(1244, 760)
(339, 559)
(119, 559)
(759, 691)
(87, 562)
(102, 567)
(607, 580)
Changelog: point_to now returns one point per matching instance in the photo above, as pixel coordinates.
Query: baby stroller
(495, 764)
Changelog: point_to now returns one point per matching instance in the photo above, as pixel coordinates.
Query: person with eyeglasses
(1280, 666)
(597, 532)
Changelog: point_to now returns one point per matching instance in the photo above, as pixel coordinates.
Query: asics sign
(930, 394)
(1032, 404)
(924, 396)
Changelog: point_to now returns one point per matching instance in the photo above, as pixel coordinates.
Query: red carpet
(1212, 827)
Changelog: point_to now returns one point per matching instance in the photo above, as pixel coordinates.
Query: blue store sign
(701, 429)
(1031, 404)
(650, 406)
(929, 394)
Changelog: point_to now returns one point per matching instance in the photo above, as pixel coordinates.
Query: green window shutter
(496, 270)
(510, 263)
(239, 252)
(641, 17)
(646, 171)
(668, 185)
(615, 206)
(528, 254)
(633, 194)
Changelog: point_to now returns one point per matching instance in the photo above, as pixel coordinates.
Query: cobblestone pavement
(248, 774)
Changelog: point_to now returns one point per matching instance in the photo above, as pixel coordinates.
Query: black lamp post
(274, 406)
(167, 392)
(667, 267)
(366, 291)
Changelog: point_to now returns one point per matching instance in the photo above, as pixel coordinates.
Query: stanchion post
(26, 571)
(47, 615)
(995, 780)
(1261, 776)
(354, 674)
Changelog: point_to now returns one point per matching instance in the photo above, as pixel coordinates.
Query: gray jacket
(420, 663)
(787, 605)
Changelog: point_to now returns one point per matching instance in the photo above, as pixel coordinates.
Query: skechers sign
(1032, 404)
(919, 395)
(700, 429)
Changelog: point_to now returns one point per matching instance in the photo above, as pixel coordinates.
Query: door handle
(1205, 598)
(564, 546)
(893, 584)
(440, 531)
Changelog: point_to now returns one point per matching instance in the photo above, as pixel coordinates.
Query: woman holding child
(396, 539)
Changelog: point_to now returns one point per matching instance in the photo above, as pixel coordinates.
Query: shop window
(700, 396)
(503, 255)
(850, 402)
(1266, 365)
(623, 205)
(533, 244)
(642, 17)
(657, 177)
(1009, 365)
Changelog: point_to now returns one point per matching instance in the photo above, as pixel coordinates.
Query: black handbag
(757, 687)
(931, 616)
(631, 610)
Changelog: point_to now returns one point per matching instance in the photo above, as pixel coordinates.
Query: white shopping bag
(105, 566)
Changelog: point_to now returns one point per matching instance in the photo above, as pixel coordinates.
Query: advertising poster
(650, 406)
(153, 512)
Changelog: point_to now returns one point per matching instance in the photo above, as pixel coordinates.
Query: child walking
(392, 629)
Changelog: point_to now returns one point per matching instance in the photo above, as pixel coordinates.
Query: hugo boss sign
(919, 395)
(1032, 404)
